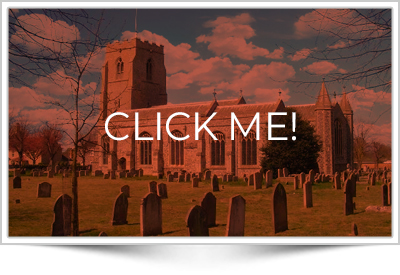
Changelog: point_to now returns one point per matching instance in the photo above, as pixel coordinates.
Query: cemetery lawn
(34, 216)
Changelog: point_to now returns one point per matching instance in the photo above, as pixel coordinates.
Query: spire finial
(215, 93)
(334, 95)
(136, 25)
(280, 92)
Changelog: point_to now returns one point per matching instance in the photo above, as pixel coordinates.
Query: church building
(134, 80)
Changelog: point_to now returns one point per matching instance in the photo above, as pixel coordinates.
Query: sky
(259, 51)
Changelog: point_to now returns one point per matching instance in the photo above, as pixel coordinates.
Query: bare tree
(86, 146)
(51, 142)
(360, 143)
(19, 137)
(379, 152)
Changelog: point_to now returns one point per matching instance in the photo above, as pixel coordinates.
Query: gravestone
(120, 211)
(82, 173)
(389, 185)
(87, 172)
(230, 178)
(160, 176)
(336, 180)
(246, 180)
(373, 179)
(153, 187)
(196, 221)
(354, 229)
(176, 175)
(50, 174)
(279, 209)
(121, 175)
(62, 216)
(98, 173)
(168, 173)
(44, 190)
(103, 234)
(384, 189)
(170, 178)
(348, 198)
(209, 204)
(280, 173)
(66, 175)
(311, 174)
(35, 174)
(17, 173)
(207, 175)
(193, 175)
(200, 176)
(307, 195)
(16, 182)
(268, 178)
(285, 172)
(235, 178)
(296, 182)
(140, 172)
(126, 190)
(236, 216)
(215, 183)
(162, 191)
(251, 180)
(187, 177)
(150, 215)
(257, 180)
(302, 178)
(195, 182)
(112, 175)
(106, 176)
(181, 178)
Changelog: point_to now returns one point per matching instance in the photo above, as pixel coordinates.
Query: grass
(34, 216)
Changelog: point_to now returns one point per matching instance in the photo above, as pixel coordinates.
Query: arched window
(338, 138)
(177, 149)
(249, 149)
(149, 70)
(105, 145)
(218, 149)
(120, 66)
(145, 149)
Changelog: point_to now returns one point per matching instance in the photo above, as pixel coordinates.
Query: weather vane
(214, 93)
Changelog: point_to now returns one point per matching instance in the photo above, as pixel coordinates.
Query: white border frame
(199, 240)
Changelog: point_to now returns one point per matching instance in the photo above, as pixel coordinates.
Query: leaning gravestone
(385, 195)
(150, 215)
(307, 195)
(268, 178)
(236, 216)
(162, 191)
(348, 198)
(170, 178)
(251, 180)
(120, 211)
(215, 183)
(196, 221)
(336, 179)
(44, 190)
(16, 182)
(257, 180)
(126, 190)
(354, 229)
(279, 209)
(195, 182)
(187, 177)
(209, 204)
(62, 216)
(153, 187)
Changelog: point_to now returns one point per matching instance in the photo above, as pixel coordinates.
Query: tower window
(145, 149)
(338, 138)
(218, 149)
(149, 70)
(120, 66)
(249, 149)
(177, 149)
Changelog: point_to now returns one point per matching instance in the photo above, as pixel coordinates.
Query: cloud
(320, 67)
(338, 45)
(50, 35)
(229, 36)
(301, 54)
(364, 98)
(31, 99)
(381, 133)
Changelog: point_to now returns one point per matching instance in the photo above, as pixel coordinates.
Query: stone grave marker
(170, 178)
(112, 175)
(196, 221)
(120, 211)
(268, 178)
(384, 189)
(311, 174)
(201, 175)
(181, 178)
(302, 179)
(230, 178)
(44, 190)
(207, 175)
(50, 174)
(257, 180)
(126, 190)
(106, 176)
(215, 184)
(235, 178)
(209, 204)
(195, 182)
(251, 180)
(82, 173)
(17, 173)
(307, 195)
(153, 187)
(62, 216)
(16, 182)
(98, 173)
(279, 209)
(160, 176)
(225, 178)
(176, 175)
(187, 177)
(348, 195)
(285, 172)
(162, 191)
(236, 216)
(140, 172)
(336, 180)
(280, 173)
(150, 215)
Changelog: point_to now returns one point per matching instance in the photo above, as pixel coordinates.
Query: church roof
(306, 111)
(246, 109)
(323, 101)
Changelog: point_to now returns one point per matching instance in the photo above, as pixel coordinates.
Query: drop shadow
(136, 223)
(88, 230)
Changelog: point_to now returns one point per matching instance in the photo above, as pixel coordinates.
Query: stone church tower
(133, 76)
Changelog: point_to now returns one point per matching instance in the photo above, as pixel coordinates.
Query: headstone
(352, 177)
(103, 234)
(98, 173)
(235, 178)
(246, 180)
(209, 204)
(121, 174)
(160, 176)
(285, 172)
(82, 173)
(150, 215)
(35, 174)
(354, 229)
(336, 180)
(236, 216)
(112, 175)
(279, 209)
(17, 173)
(65, 175)
(176, 175)
(311, 174)
(302, 178)
(62, 216)
(307, 195)
(162, 191)
(201, 175)
(296, 183)
(44, 190)
(268, 178)
(50, 174)
(187, 177)
(389, 185)
(181, 178)
(257, 180)
(195, 182)
(106, 176)
(16, 182)
(126, 190)
(230, 178)
(215, 183)
(385, 195)
(251, 180)
(348, 195)
(140, 172)
(373, 179)
(87, 172)
(153, 187)
(170, 178)
(120, 211)
(207, 175)
(196, 221)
